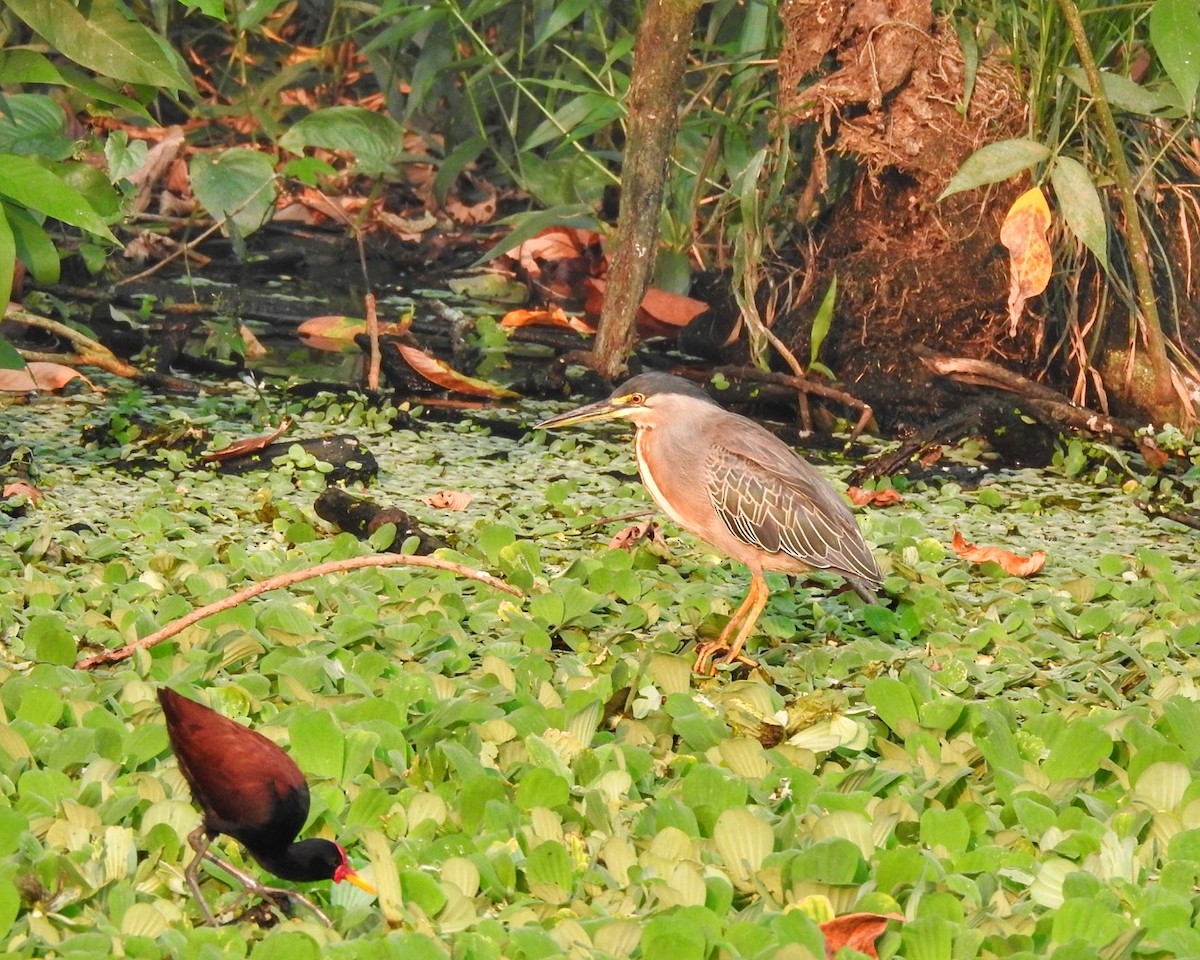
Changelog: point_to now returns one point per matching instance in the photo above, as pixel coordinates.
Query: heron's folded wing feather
(772, 499)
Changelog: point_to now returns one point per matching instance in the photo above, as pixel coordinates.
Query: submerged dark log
(362, 517)
(349, 458)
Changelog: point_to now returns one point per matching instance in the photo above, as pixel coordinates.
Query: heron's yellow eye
(637, 398)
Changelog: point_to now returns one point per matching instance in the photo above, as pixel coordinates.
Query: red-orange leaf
(339, 327)
(448, 500)
(239, 448)
(446, 377)
(858, 931)
(556, 317)
(1011, 563)
(40, 375)
(19, 488)
(875, 498)
(1024, 233)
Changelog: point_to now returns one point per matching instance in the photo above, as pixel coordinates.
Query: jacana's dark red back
(247, 787)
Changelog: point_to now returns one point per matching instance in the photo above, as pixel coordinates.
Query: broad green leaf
(8, 263)
(996, 162)
(10, 897)
(375, 140)
(34, 246)
(1175, 36)
(894, 703)
(1079, 202)
(1123, 94)
(32, 125)
(946, 828)
(50, 641)
(316, 744)
(105, 40)
(1090, 921)
(822, 321)
(212, 8)
(236, 185)
(100, 91)
(26, 66)
(35, 187)
(124, 156)
(560, 17)
(9, 358)
(1076, 753)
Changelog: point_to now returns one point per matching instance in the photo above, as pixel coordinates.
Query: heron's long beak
(600, 410)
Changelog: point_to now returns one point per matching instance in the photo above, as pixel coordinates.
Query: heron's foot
(706, 652)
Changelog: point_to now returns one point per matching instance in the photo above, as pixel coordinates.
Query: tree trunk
(655, 89)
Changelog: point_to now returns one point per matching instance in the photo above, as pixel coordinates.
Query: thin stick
(286, 580)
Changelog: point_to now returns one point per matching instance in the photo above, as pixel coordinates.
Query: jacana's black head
(307, 860)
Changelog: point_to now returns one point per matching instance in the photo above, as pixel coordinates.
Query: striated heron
(737, 486)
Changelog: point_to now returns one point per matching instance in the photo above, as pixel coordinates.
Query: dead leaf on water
(40, 375)
(874, 498)
(448, 500)
(21, 488)
(554, 317)
(858, 931)
(629, 536)
(239, 448)
(1011, 563)
(446, 377)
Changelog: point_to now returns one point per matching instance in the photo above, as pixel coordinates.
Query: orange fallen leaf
(556, 317)
(553, 244)
(659, 309)
(40, 375)
(239, 448)
(446, 377)
(858, 931)
(627, 537)
(19, 488)
(448, 500)
(1024, 233)
(1011, 563)
(875, 498)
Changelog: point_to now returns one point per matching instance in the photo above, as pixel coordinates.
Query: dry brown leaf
(555, 317)
(239, 448)
(874, 498)
(552, 244)
(40, 375)
(19, 488)
(1024, 233)
(446, 377)
(858, 931)
(1011, 563)
(448, 500)
(660, 312)
(628, 537)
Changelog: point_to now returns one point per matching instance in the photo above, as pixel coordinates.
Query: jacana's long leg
(200, 841)
(707, 650)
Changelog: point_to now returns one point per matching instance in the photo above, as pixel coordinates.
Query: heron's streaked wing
(770, 498)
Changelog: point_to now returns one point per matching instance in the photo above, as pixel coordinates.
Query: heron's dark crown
(657, 383)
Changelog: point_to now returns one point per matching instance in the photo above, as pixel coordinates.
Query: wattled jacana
(249, 789)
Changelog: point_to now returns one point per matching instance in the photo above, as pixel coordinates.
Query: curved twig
(285, 580)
